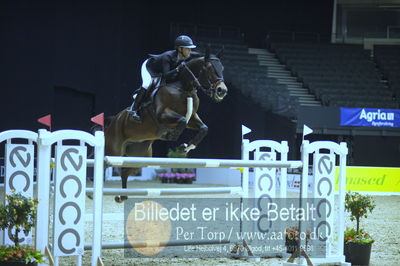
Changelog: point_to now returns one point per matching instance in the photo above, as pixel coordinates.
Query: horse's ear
(220, 54)
(207, 55)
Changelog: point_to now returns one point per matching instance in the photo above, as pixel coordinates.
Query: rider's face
(185, 52)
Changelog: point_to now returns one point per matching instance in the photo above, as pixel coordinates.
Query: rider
(165, 67)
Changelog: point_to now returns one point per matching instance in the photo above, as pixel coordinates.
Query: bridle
(211, 90)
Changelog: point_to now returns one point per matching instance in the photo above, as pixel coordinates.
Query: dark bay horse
(172, 109)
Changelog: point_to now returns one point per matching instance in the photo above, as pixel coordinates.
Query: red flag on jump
(99, 120)
(45, 120)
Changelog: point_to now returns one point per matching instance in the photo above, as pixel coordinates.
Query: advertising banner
(371, 179)
(369, 117)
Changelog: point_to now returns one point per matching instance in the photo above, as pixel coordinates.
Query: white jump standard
(70, 185)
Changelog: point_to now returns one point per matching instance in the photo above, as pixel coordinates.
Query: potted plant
(20, 214)
(181, 175)
(161, 175)
(358, 243)
(190, 176)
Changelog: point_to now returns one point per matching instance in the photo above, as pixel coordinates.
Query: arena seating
(243, 72)
(388, 60)
(339, 75)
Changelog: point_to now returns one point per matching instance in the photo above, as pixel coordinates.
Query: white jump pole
(168, 191)
(175, 243)
(196, 163)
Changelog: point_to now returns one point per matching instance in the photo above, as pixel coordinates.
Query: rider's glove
(181, 66)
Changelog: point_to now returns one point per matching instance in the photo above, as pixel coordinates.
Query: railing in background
(293, 36)
(392, 31)
(202, 30)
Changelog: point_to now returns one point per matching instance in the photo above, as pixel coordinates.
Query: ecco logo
(265, 189)
(19, 175)
(20, 158)
(324, 189)
(70, 188)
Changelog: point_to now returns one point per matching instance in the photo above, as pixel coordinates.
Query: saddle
(150, 94)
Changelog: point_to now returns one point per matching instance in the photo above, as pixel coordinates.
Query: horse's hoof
(190, 147)
(120, 199)
(182, 147)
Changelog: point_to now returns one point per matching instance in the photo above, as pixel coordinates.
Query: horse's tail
(94, 128)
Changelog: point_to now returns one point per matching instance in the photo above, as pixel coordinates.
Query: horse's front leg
(195, 123)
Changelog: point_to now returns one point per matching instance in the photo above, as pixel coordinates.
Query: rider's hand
(181, 66)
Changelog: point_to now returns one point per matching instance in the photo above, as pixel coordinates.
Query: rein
(196, 81)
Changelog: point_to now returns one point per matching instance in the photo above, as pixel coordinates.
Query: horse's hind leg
(125, 173)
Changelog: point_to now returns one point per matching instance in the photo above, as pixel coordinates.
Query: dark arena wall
(76, 59)
(96, 48)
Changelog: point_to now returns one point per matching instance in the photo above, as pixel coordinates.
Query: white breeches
(146, 77)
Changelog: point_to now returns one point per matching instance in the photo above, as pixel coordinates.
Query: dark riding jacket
(164, 64)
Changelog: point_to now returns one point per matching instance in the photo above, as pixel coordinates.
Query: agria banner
(369, 117)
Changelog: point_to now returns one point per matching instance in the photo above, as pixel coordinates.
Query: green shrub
(358, 206)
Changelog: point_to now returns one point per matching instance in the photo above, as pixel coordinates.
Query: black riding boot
(135, 106)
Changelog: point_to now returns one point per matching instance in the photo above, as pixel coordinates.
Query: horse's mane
(197, 55)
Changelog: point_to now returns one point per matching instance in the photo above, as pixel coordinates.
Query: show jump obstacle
(69, 175)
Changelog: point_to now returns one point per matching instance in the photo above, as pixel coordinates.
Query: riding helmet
(184, 41)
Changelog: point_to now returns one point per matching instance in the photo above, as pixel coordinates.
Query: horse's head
(209, 74)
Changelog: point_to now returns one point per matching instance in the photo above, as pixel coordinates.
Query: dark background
(75, 59)
(92, 50)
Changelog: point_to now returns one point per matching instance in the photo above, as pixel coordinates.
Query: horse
(172, 108)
